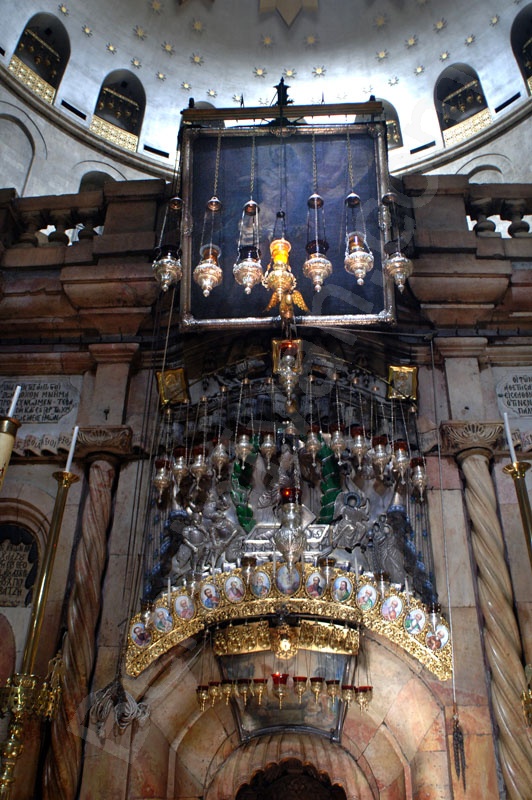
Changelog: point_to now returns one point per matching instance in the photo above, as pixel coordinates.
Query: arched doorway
(290, 780)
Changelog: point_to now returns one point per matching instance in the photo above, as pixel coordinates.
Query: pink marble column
(62, 766)
(472, 444)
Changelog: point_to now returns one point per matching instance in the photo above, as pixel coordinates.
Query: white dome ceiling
(228, 52)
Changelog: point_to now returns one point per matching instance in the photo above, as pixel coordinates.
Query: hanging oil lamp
(358, 259)
(289, 538)
(300, 686)
(400, 459)
(162, 478)
(316, 686)
(358, 445)
(166, 265)
(179, 466)
(268, 448)
(219, 458)
(396, 265)
(288, 365)
(380, 455)
(317, 267)
(208, 273)
(247, 269)
(279, 682)
(418, 476)
(259, 687)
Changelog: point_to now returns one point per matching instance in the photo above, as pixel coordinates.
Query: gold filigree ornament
(323, 624)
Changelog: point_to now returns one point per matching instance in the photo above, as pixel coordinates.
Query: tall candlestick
(14, 401)
(72, 448)
(169, 594)
(509, 438)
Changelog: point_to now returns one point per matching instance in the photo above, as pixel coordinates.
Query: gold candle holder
(8, 432)
(518, 470)
(23, 696)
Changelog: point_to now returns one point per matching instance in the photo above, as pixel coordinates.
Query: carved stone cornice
(115, 440)
(463, 437)
(461, 346)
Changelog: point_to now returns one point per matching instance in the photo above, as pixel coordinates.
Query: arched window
(393, 128)
(120, 109)
(42, 54)
(521, 38)
(460, 104)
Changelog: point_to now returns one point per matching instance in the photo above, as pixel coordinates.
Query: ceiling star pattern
(386, 46)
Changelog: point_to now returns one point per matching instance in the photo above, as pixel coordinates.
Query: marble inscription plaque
(15, 567)
(514, 392)
(41, 400)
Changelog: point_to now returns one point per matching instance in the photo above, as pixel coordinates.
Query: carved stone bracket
(458, 436)
(115, 440)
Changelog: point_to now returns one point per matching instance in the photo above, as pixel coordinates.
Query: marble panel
(430, 776)
(450, 546)
(465, 391)
(411, 716)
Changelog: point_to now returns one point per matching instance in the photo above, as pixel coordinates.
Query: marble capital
(464, 437)
(104, 440)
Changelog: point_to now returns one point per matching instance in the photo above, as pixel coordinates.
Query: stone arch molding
(259, 754)
(34, 137)
(389, 750)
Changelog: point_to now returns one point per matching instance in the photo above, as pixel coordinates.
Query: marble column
(63, 763)
(472, 444)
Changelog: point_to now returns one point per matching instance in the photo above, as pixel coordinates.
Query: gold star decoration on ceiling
(469, 39)
(319, 72)
(266, 40)
(168, 48)
(86, 30)
(135, 62)
(160, 76)
(381, 55)
(445, 56)
(111, 48)
(289, 73)
(259, 72)
(494, 20)
(186, 86)
(380, 21)
(393, 81)
(63, 9)
(440, 25)
(211, 92)
(139, 32)
(156, 6)
(311, 40)
(411, 41)
(419, 70)
(197, 26)
(196, 59)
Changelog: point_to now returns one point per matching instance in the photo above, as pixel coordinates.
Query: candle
(14, 400)
(509, 439)
(72, 448)
(407, 591)
(169, 594)
(356, 568)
